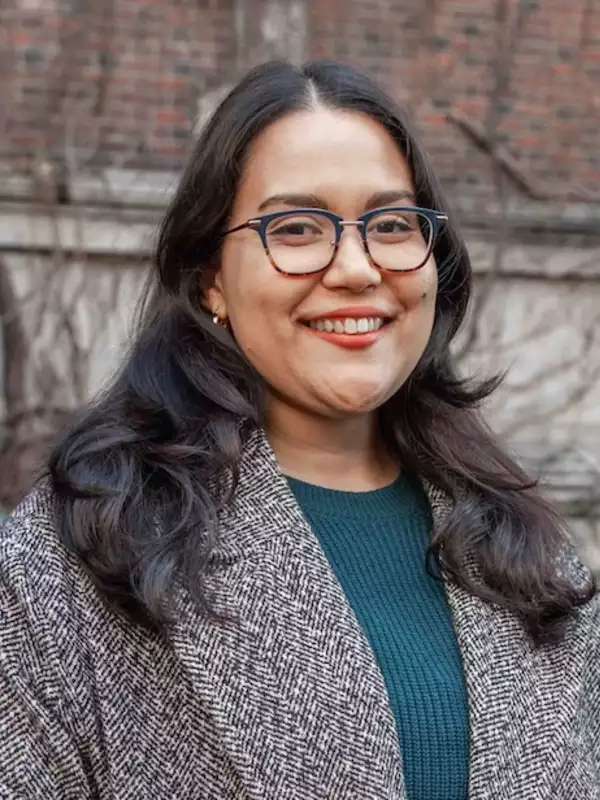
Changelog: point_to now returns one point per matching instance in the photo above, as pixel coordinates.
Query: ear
(213, 296)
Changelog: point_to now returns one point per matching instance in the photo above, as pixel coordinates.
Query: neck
(346, 454)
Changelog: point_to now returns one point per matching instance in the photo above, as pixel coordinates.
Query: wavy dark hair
(139, 459)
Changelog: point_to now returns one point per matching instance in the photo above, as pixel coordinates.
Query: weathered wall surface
(100, 104)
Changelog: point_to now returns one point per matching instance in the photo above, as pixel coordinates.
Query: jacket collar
(301, 657)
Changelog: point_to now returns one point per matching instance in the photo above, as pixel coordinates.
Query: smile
(351, 333)
(351, 325)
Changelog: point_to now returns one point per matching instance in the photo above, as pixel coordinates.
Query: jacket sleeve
(41, 753)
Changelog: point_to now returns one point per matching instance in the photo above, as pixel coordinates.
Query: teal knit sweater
(376, 543)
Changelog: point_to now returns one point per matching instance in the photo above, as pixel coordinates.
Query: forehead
(341, 154)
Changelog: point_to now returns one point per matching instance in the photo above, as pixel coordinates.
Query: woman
(282, 556)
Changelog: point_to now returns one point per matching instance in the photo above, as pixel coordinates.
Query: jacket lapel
(294, 691)
(522, 701)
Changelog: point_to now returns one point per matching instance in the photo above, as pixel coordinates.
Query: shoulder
(28, 539)
(48, 616)
(31, 553)
(44, 617)
(41, 574)
(32, 557)
(33, 516)
(586, 629)
(48, 599)
(580, 576)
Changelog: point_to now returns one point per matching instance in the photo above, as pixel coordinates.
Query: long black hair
(139, 459)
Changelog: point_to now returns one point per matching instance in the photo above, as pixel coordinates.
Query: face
(342, 160)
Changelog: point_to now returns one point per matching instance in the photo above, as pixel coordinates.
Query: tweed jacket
(288, 705)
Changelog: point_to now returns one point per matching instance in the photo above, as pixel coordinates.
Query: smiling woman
(283, 556)
(315, 392)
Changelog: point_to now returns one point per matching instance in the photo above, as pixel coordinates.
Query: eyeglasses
(304, 241)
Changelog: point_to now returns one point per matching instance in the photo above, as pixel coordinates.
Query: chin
(357, 402)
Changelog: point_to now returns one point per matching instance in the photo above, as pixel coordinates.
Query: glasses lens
(399, 240)
(301, 243)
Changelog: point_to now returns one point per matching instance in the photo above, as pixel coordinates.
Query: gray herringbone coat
(290, 705)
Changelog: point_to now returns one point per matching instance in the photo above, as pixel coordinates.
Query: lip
(350, 341)
(350, 311)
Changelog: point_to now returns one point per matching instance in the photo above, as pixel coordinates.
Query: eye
(392, 228)
(294, 231)
(392, 225)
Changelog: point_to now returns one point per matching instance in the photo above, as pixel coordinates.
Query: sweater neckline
(385, 501)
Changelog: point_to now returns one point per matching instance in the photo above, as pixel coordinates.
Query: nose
(351, 267)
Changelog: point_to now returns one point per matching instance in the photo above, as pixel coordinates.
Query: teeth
(348, 325)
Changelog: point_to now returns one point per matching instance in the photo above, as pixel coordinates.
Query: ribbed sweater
(376, 543)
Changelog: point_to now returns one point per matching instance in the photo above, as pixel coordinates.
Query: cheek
(418, 299)
(260, 304)
(417, 292)
(427, 303)
(428, 285)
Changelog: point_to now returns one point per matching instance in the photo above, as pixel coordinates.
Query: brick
(149, 61)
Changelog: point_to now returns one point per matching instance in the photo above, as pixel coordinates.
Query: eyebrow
(307, 200)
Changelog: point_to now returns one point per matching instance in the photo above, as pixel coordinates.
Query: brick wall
(121, 82)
